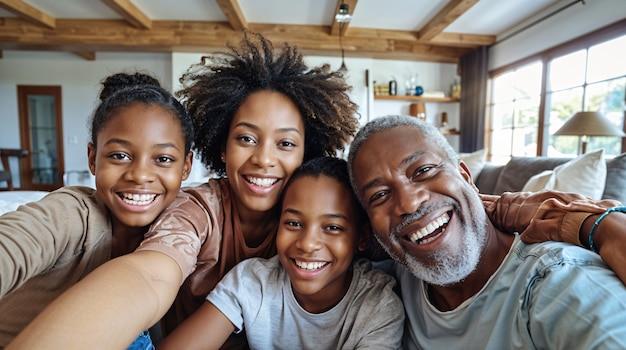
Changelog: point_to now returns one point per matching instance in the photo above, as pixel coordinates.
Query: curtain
(474, 77)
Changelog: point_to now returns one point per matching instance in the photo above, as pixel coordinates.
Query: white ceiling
(406, 18)
(491, 17)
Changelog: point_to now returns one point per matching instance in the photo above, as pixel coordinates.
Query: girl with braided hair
(139, 153)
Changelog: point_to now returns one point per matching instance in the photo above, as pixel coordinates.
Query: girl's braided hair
(121, 90)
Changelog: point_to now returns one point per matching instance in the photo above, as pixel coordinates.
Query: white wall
(80, 85)
(568, 24)
(432, 76)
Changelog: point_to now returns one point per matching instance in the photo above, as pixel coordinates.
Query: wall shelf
(415, 98)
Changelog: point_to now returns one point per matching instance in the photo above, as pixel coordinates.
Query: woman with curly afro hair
(258, 115)
(214, 89)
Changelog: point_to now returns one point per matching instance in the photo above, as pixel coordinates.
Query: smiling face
(264, 147)
(139, 163)
(317, 239)
(423, 210)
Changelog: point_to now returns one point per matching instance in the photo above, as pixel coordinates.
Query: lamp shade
(589, 124)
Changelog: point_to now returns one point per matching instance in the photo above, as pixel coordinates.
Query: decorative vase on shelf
(409, 88)
(393, 87)
(455, 89)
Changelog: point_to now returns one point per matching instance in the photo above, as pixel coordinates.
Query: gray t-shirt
(256, 296)
(543, 296)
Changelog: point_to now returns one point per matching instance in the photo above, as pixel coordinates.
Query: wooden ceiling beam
(80, 35)
(233, 12)
(453, 10)
(463, 40)
(87, 55)
(131, 13)
(337, 28)
(28, 12)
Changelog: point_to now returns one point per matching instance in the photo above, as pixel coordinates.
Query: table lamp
(585, 124)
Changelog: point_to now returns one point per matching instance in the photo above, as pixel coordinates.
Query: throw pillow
(584, 175)
(475, 161)
(541, 181)
(615, 179)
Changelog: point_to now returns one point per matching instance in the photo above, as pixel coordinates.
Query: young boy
(313, 294)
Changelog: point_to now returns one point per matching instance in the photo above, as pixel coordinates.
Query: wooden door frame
(26, 165)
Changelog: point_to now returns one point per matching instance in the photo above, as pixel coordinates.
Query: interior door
(41, 133)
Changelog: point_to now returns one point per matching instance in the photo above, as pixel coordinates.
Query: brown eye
(378, 196)
(422, 172)
(119, 156)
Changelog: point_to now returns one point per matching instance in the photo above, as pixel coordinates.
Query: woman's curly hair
(215, 88)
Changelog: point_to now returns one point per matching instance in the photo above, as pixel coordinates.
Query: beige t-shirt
(45, 248)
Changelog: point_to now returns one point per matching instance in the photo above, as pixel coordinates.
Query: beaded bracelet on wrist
(595, 225)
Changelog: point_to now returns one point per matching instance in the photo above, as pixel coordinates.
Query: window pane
(567, 71)
(563, 105)
(606, 60)
(528, 81)
(612, 145)
(607, 97)
(501, 143)
(527, 112)
(502, 88)
(525, 142)
(522, 83)
(503, 115)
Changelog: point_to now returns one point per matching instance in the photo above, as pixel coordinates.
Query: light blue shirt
(545, 296)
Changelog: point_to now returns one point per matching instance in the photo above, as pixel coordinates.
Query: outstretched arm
(565, 217)
(109, 308)
(207, 328)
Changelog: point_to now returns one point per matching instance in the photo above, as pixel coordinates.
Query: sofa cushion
(616, 179)
(584, 175)
(543, 180)
(520, 169)
(486, 181)
(475, 161)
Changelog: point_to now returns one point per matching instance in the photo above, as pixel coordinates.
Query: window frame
(584, 42)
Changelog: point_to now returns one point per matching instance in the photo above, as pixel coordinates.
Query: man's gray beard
(448, 268)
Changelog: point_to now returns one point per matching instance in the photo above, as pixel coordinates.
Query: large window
(515, 112)
(531, 100)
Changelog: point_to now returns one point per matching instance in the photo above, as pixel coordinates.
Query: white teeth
(430, 228)
(263, 182)
(310, 265)
(138, 199)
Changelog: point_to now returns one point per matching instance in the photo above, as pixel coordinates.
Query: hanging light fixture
(342, 17)
(343, 68)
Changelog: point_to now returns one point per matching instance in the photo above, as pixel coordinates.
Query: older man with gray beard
(464, 283)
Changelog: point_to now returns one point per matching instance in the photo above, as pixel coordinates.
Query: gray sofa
(496, 179)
